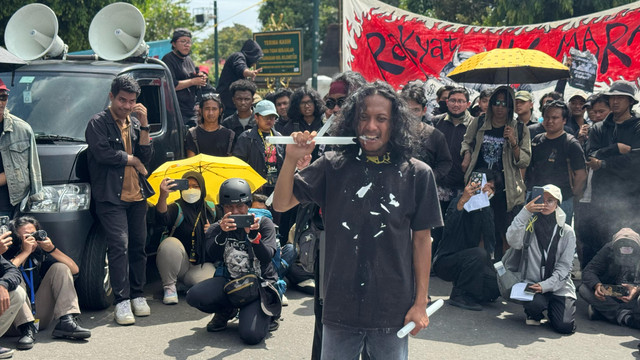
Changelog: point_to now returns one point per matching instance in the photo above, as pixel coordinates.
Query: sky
(228, 12)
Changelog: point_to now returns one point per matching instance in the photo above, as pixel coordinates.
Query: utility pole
(215, 40)
(316, 44)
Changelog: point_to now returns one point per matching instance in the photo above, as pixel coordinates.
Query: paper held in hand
(518, 292)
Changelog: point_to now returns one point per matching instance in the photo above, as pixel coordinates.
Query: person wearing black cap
(240, 251)
(238, 66)
(612, 152)
(26, 180)
(186, 79)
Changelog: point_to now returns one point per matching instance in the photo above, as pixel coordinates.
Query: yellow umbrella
(215, 170)
(509, 66)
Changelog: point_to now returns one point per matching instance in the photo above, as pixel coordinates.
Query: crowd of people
(449, 193)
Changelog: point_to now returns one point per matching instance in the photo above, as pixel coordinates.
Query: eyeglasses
(4, 97)
(499, 103)
(184, 42)
(307, 103)
(331, 103)
(457, 101)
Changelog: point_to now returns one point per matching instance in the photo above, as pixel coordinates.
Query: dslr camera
(4, 224)
(39, 235)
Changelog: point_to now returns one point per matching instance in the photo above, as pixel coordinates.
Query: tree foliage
(163, 16)
(230, 40)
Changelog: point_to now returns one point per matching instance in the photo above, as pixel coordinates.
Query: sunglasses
(4, 97)
(331, 103)
(499, 103)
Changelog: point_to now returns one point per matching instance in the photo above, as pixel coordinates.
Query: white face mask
(191, 195)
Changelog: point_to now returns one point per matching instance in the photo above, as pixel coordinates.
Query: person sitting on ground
(253, 148)
(48, 275)
(617, 263)
(549, 260)
(239, 251)
(459, 258)
(242, 92)
(12, 295)
(209, 137)
(182, 254)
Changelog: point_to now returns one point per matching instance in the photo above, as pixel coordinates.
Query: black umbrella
(9, 62)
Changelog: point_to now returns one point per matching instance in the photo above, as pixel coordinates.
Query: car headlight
(62, 198)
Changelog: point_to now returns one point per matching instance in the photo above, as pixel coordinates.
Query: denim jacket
(20, 159)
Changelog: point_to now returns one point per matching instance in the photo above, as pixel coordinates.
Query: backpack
(306, 236)
(192, 131)
(211, 208)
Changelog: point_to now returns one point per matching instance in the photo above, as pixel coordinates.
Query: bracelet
(52, 250)
(257, 239)
(144, 128)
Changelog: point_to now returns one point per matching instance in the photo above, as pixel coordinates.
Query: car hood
(63, 163)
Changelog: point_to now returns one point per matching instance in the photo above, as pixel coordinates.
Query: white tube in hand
(430, 310)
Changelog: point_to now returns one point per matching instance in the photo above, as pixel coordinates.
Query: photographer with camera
(182, 253)
(48, 276)
(243, 246)
(610, 281)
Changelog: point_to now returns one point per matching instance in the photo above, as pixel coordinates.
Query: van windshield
(57, 104)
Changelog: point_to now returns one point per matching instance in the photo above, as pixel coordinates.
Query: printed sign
(282, 53)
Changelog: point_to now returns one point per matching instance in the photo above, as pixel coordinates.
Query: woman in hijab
(182, 253)
(552, 244)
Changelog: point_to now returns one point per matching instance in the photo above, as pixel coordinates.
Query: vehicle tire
(93, 284)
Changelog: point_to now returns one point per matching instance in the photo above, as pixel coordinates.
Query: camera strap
(29, 281)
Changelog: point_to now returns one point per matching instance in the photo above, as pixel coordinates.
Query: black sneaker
(465, 302)
(68, 328)
(220, 320)
(274, 325)
(27, 336)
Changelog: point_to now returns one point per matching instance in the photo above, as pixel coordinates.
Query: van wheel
(94, 286)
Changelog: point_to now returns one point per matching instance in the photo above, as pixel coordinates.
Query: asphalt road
(178, 332)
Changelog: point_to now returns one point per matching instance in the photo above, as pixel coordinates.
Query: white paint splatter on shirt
(363, 190)
(393, 201)
(385, 208)
(378, 234)
(346, 226)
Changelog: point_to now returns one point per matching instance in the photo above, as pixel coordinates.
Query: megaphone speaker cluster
(32, 33)
(117, 32)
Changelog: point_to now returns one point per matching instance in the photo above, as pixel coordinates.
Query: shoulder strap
(192, 131)
(232, 134)
(178, 221)
(520, 131)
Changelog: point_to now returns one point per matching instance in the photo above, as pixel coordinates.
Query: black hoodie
(234, 68)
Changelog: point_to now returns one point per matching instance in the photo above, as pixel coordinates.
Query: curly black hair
(296, 98)
(215, 97)
(402, 140)
(354, 80)
(243, 85)
(277, 94)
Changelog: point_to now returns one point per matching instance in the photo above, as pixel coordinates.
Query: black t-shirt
(215, 143)
(370, 211)
(182, 69)
(490, 155)
(549, 159)
(5, 201)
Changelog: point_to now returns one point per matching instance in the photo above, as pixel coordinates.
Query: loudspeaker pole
(316, 43)
(215, 40)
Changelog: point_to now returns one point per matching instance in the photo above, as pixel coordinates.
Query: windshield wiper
(57, 137)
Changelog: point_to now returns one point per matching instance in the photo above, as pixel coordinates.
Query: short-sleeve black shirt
(215, 143)
(370, 211)
(549, 161)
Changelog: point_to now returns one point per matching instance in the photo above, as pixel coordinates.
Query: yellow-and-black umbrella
(509, 66)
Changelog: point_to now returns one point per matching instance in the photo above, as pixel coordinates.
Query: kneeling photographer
(48, 276)
(610, 281)
(243, 246)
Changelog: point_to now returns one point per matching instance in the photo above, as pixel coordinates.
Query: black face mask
(443, 106)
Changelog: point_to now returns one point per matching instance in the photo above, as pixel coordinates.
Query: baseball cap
(580, 94)
(590, 101)
(265, 107)
(524, 95)
(553, 191)
(3, 87)
(624, 88)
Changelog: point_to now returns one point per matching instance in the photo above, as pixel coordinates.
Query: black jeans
(209, 296)
(124, 227)
(471, 272)
(561, 311)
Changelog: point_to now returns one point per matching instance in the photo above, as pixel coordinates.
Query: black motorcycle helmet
(234, 191)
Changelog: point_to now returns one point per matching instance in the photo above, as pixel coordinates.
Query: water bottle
(500, 268)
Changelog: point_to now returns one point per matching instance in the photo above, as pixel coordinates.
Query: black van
(57, 98)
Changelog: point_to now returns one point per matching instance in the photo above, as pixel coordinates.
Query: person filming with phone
(48, 275)
(540, 231)
(610, 281)
(182, 252)
(243, 247)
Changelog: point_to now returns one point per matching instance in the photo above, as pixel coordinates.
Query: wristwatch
(144, 128)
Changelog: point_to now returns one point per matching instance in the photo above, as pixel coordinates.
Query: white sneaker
(285, 301)
(123, 313)
(532, 322)
(170, 295)
(140, 307)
